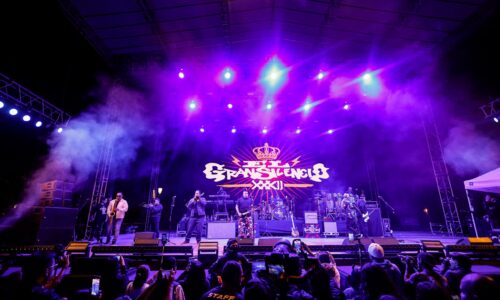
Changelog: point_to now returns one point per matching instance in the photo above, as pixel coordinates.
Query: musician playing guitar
(244, 209)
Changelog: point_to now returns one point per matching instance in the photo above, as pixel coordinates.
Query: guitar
(256, 208)
(295, 232)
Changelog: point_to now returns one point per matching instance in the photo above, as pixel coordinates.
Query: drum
(279, 213)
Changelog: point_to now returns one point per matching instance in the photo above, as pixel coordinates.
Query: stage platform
(400, 237)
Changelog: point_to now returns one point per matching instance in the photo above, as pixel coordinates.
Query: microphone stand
(387, 204)
(167, 241)
(385, 229)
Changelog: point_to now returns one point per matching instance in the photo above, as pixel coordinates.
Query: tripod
(166, 238)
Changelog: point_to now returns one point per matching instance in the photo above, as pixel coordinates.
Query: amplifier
(221, 230)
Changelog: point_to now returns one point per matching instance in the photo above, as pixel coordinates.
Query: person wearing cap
(376, 252)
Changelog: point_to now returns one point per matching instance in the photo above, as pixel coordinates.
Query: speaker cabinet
(57, 225)
(145, 239)
(375, 227)
(268, 241)
(221, 230)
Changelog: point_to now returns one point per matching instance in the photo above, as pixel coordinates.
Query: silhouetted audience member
(328, 263)
(375, 283)
(454, 270)
(231, 283)
(377, 256)
(194, 281)
(354, 280)
(136, 287)
(231, 254)
(39, 278)
(425, 271)
(430, 291)
(257, 289)
(478, 287)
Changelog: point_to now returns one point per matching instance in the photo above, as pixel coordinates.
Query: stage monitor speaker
(144, 235)
(245, 242)
(330, 227)
(208, 253)
(57, 225)
(145, 239)
(221, 230)
(268, 242)
(475, 241)
(366, 241)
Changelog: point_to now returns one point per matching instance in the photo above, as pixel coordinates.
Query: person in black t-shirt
(231, 284)
(245, 219)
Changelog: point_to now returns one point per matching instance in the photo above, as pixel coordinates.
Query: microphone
(173, 201)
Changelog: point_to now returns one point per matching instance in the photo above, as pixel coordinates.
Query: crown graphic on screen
(266, 152)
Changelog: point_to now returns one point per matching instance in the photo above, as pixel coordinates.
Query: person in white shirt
(116, 212)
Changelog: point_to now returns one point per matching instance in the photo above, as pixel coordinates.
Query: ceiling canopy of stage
(339, 30)
(488, 182)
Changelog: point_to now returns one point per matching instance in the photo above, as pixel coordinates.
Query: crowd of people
(289, 273)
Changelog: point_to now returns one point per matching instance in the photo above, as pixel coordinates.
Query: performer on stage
(244, 210)
(349, 206)
(362, 214)
(196, 214)
(99, 218)
(156, 209)
(116, 212)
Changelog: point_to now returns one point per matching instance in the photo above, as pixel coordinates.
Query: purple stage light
(26, 118)
(264, 131)
(370, 85)
(346, 106)
(321, 75)
(181, 74)
(229, 105)
(307, 106)
(202, 130)
(367, 78)
(330, 131)
(298, 131)
(233, 130)
(496, 119)
(192, 105)
(39, 124)
(59, 130)
(274, 75)
(1, 104)
(228, 74)
(13, 111)
(269, 106)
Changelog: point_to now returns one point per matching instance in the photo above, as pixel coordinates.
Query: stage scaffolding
(30, 102)
(446, 195)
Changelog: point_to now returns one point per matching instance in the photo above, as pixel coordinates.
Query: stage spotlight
(202, 130)
(39, 124)
(26, 118)
(346, 106)
(264, 131)
(321, 75)
(228, 74)
(2, 104)
(330, 131)
(269, 106)
(298, 131)
(181, 74)
(233, 130)
(307, 106)
(59, 130)
(274, 75)
(13, 111)
(229, 105)
(495, 119)
(192, 105)
(367, 78)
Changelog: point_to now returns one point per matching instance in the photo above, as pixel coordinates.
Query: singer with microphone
(196, 207)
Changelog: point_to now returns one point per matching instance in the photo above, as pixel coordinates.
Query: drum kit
(275, 208)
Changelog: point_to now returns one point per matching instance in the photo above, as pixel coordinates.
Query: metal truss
(491, 109)
(31, 102)
(450, 211)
